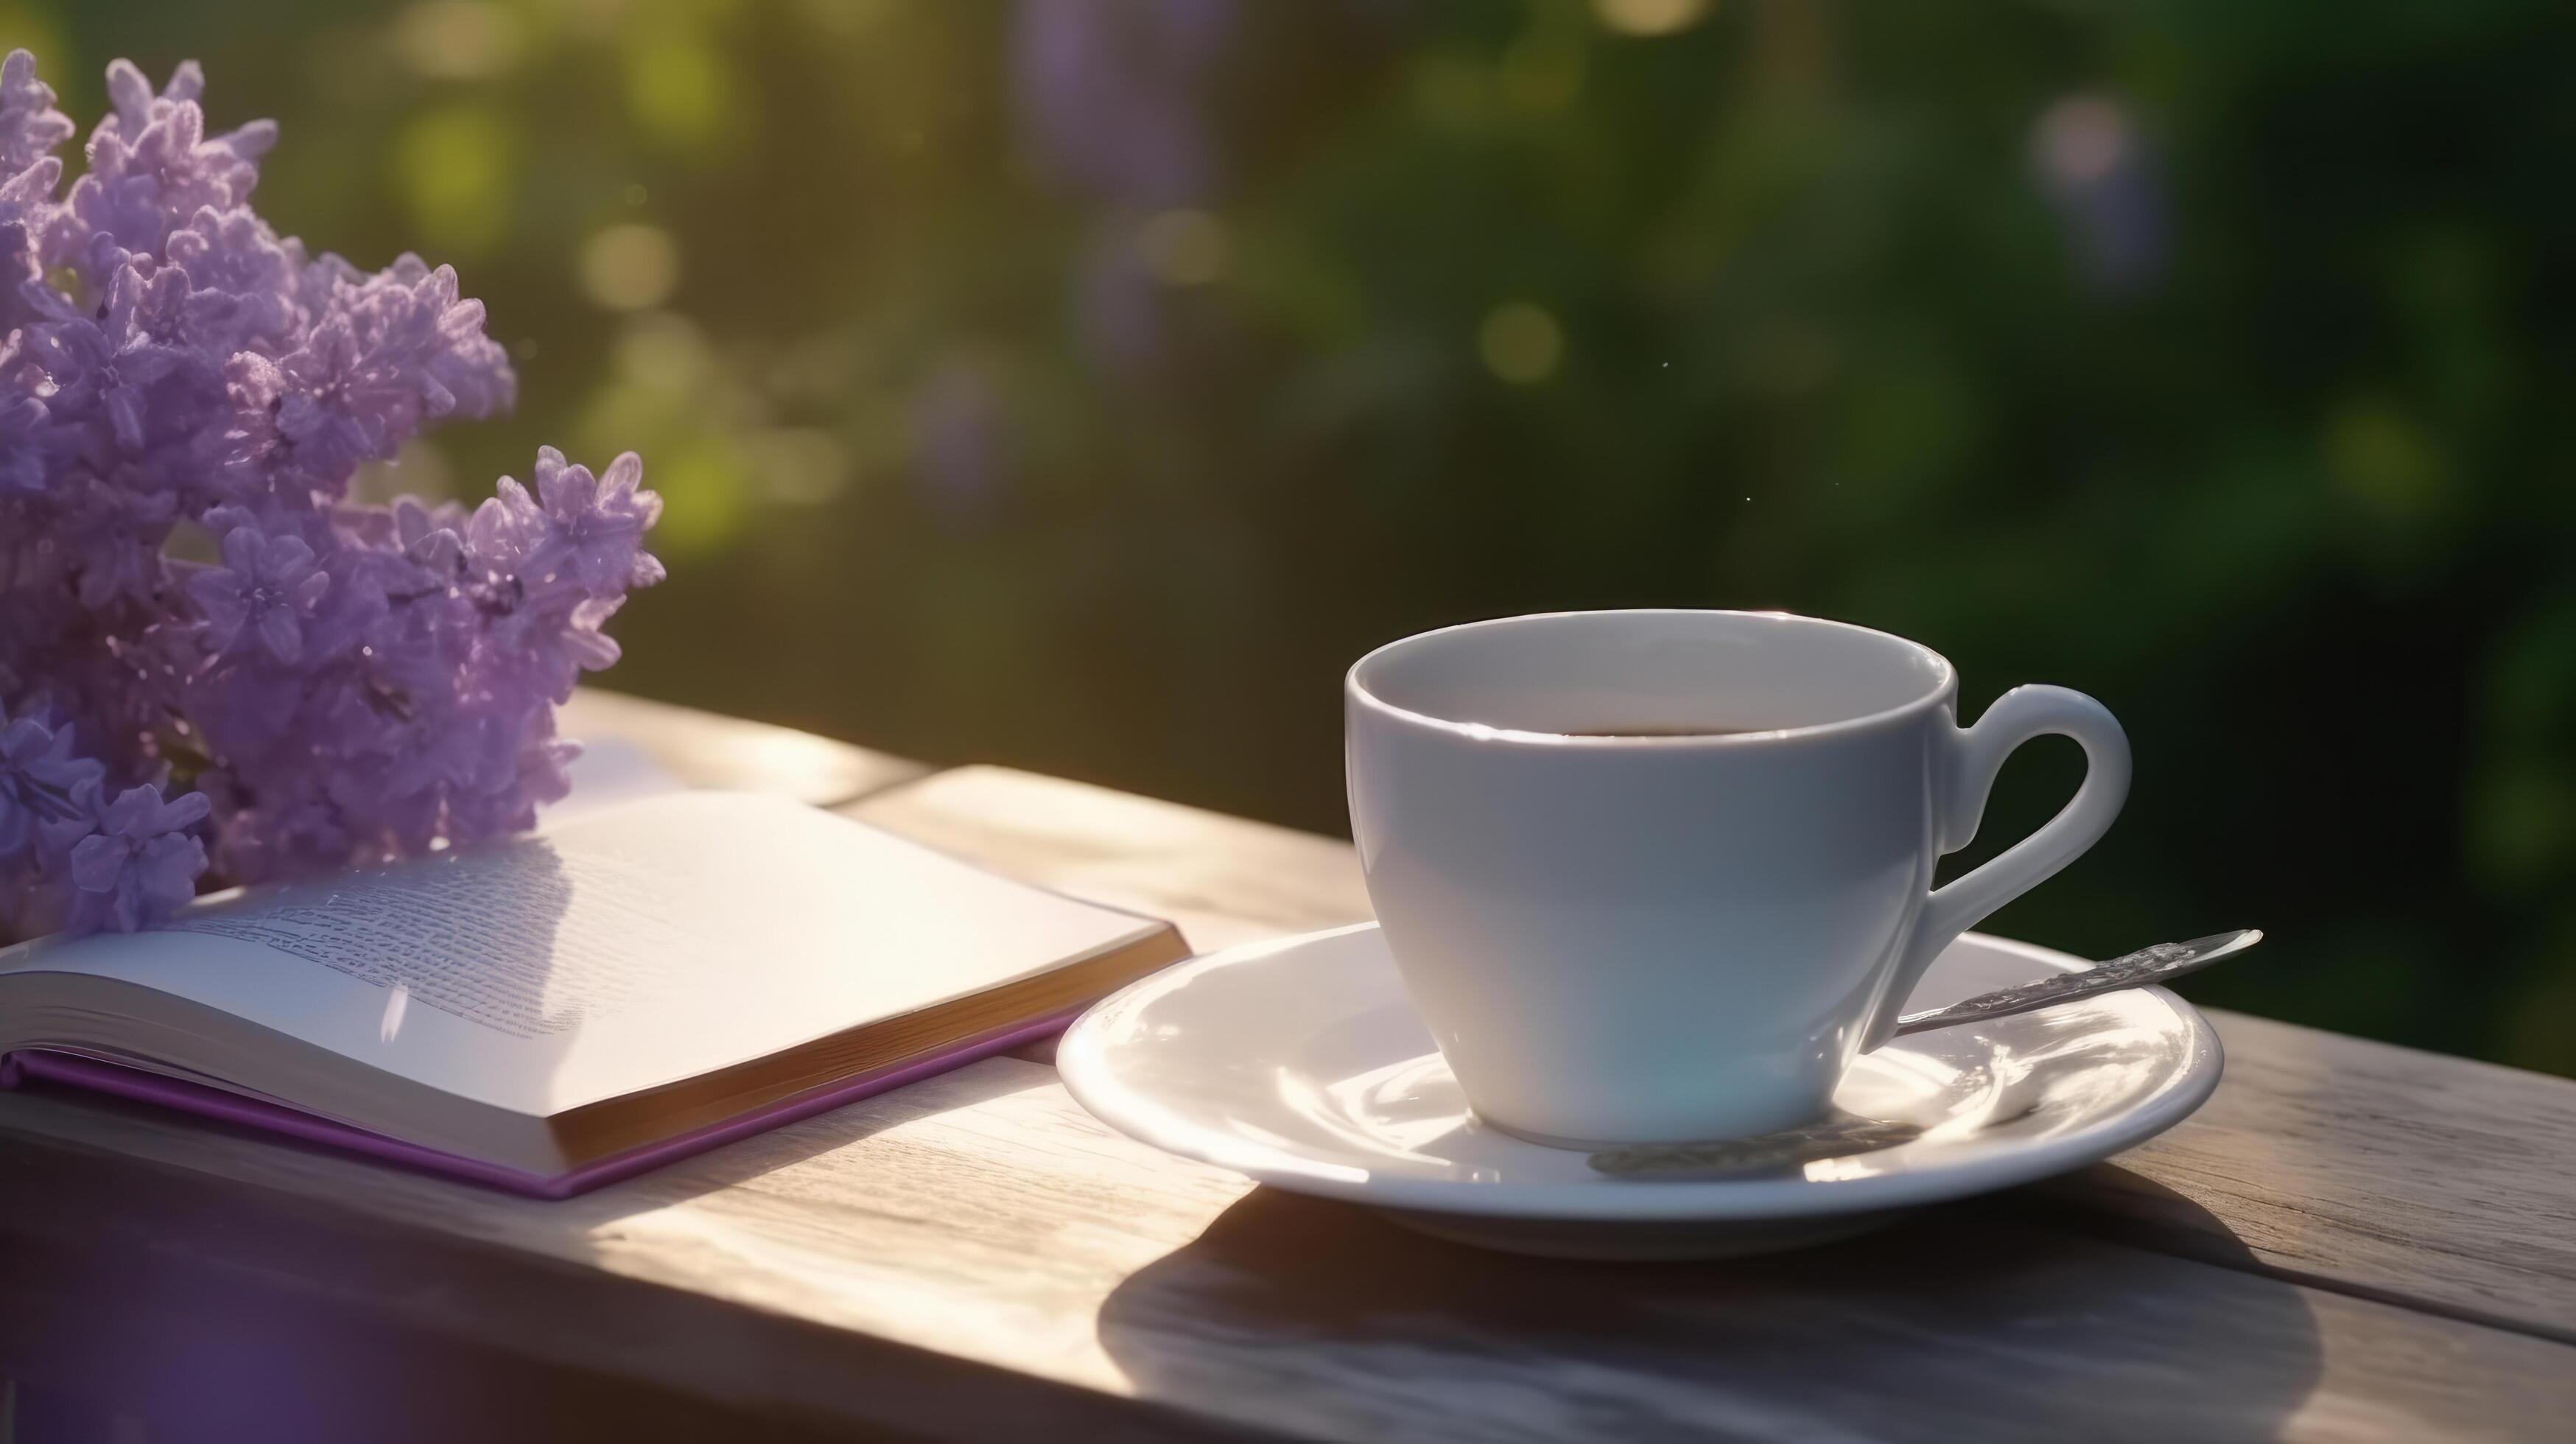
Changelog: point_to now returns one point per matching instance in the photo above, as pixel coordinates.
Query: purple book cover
(35, 1065)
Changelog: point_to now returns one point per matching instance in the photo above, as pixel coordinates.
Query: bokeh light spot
(2083, 138)
(1650, 17)
(1521, 343)
(706, 492)
(2383, 459)
(454, 169)
(678, 89)
(630, 266)
(665, 353)
(798, 466)
(1183, 248)
(459, 39)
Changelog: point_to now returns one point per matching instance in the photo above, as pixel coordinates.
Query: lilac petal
(219, 596)
(144, 365)
(439, 551)
(125, 413)
(166, 872)
(280, 633)
(285, 559)
(24, 739)
(591, 651)
(59, 835)
(97, 862)
(131, 94)
(187, 82)
(131, 814)
(125, 911)
(241, 551)
(186, 810)
(568, 492)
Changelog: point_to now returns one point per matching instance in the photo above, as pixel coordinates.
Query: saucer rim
(1086, 1073)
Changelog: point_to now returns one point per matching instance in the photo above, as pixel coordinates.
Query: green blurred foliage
(2212, 358)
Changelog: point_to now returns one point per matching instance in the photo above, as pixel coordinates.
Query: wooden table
(2351, 1241)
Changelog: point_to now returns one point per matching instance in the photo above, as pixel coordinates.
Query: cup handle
(1967, 775)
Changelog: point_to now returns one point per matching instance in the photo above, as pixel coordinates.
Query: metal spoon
(1843, 1134)
(2161, 963)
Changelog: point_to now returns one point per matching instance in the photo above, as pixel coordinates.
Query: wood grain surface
(2440, 1182)
(705, 750)
(983, 1219)
(2351, 1242)
(1225, 880)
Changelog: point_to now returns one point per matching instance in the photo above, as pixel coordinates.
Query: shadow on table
(790, 1144)
(1967, 1322)
(195, 1312)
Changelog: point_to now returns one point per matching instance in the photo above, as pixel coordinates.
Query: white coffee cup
(1653, 876)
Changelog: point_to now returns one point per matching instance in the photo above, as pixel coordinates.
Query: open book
(548, 1013)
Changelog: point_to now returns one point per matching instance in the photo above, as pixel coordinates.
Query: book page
(639, 945)
(609, 771)
(479, 936)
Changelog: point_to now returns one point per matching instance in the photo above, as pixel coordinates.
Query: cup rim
(1944, 686)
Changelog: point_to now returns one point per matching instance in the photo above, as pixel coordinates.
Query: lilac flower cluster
(331, 683)
(1113, 105)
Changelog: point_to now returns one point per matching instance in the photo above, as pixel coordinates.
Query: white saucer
(1301, 1064)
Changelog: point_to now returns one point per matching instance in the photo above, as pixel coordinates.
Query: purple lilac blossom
(1110, 94)
(265, 589)
(2102, 177)
(1113, 102)
(958, 422)
(347, 684)
(140, 862)
(39, 776)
